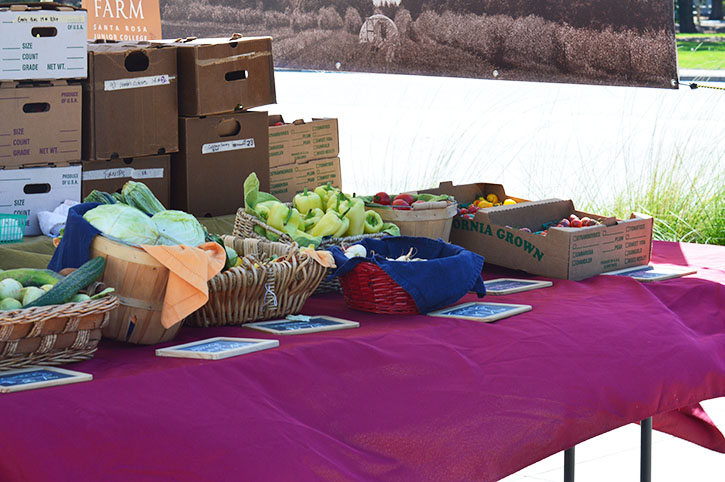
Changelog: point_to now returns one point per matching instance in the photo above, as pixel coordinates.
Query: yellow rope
(694, 86)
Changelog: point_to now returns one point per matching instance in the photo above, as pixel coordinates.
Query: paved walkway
(615, 456)
(701, 75)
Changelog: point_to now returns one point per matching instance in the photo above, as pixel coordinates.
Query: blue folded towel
(74, 247)
(447, 274)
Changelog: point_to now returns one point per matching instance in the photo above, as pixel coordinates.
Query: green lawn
(693, 54)
(681, 36)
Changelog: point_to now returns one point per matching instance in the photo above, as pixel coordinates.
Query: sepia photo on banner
(609, 42)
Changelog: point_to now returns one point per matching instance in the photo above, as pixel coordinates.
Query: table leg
(569, 465)
(645, 464)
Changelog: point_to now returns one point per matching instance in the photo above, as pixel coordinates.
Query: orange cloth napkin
(189, 270)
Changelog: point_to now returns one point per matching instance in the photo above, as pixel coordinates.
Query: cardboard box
(467, 193)
(286, 181)
(130, 101)
(302, 141)
(40, 123)
(216, 154)
(566, 253)
(110, 176)
(30, 190)
(219, 75)
(42, 41)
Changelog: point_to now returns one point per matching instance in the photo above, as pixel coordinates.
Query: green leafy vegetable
(178, 227)
(124, 223)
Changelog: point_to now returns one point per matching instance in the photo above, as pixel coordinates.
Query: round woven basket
(368, 288)
(245, 224)
(53, 335)
(259, 290)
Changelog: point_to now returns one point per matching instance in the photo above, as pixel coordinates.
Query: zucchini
(100, 197)
(138, 195)
(66, 288)
(32, 277)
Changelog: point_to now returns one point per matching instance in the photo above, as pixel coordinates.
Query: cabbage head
(124, 223)
(178, 227)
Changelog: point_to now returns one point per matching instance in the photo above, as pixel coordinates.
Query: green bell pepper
(312, 218)
(373, 222)
(325, 192)
(284, 218)
(343, 228)
(307, 201)
(356, 215)
(330, 223)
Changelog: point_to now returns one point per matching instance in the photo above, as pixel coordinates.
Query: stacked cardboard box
(302, 155)
(44, 55)
(221, 142)
(130, 111)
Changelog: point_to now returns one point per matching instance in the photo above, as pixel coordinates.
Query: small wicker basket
(245, 223)
(367, 287)
(257, 290)
(53, 335)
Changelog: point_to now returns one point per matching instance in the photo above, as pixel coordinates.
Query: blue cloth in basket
(75, 245)
(447, 274)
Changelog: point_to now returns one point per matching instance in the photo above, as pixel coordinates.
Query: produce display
(314, 215)
(27, 288)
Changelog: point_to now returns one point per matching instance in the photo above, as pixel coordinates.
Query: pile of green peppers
(324, 212)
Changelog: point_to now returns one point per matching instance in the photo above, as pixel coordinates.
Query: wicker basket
(53, 335)
(254, 291)
(367, 287)
(245, 223)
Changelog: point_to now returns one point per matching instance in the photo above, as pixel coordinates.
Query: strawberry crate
(12, 227)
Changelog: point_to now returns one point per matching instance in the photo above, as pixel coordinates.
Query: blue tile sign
(508, 284)
(302, 324)
(216, 346)
(35, 376)
(478, 310)
(291, 325)
(646, 272)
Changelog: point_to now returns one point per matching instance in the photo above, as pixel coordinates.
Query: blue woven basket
(12, 227)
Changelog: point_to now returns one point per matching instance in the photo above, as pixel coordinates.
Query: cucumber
(32, 277)
(66, 288)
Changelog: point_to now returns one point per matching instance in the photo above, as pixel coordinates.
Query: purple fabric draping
(400, 398)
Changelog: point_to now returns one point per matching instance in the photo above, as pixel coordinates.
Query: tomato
(382, 198)
(405, 197)
(400, 204)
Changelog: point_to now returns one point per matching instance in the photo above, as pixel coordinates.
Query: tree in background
(684, 12)
(716, 10)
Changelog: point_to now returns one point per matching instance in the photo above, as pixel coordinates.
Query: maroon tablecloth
(400, 398)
